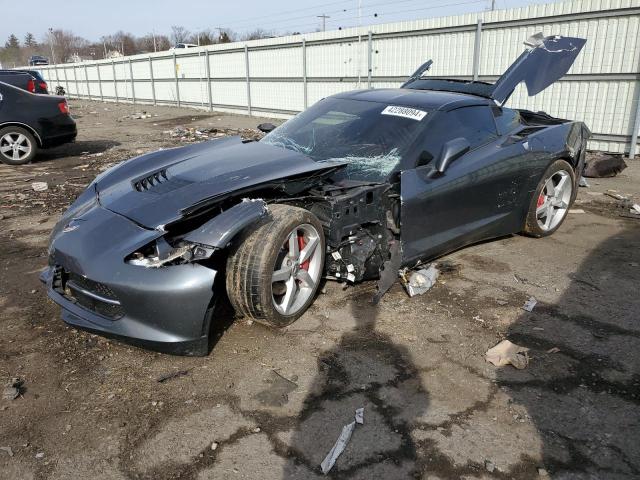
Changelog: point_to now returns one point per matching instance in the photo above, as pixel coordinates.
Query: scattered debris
(13, 389)
(421, 280)
(508, 353)
(39, 455)
(169, 376)
(530, 304)
(214, 446)
(553, 350)
(8, 450)
(501, 302)
(40, 186)
(601, 165)
(194, 134)
(617, 196)
(341, 442)
(583, 182)
(635, 209)
(576, 210)
(489, 466)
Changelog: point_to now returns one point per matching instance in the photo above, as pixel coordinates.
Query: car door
(475, 198)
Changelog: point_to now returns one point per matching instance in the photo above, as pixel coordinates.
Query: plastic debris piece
(336, 255)
(40, 186)
(342, 441)
(351, 277)
(635, 209)
(508, 353)
(8, 450)
(530, 304)
(422, 280)
(583, 182)
(576, 210)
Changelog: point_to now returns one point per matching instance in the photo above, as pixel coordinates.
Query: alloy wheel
(554, 199)
(15, 146)
(297, 270)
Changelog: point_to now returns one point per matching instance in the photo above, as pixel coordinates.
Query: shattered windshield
(372, 137)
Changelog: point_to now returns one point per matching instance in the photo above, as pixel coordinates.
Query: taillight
(31, 86)
(64, 107)
(43, 86)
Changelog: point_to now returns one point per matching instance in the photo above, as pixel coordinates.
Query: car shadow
(364, 369)
(75, 149)
(582, 387)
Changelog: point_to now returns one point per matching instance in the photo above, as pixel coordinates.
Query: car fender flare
(220, 230)
(25, 126)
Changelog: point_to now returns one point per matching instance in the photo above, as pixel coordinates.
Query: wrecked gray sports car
(355, 188)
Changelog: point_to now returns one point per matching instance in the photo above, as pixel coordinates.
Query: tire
(27, 147)
(552, 200)
(263, 283)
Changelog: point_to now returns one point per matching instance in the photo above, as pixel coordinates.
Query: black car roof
(424, 99)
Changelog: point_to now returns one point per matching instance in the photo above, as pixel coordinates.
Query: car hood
(157, 188)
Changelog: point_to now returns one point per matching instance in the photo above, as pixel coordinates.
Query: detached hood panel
(154, 189)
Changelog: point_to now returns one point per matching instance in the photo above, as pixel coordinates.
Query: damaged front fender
(220, 230)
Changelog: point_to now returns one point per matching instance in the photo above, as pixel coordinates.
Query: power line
(373, 15)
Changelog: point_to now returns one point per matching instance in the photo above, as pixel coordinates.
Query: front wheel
(273, 275)
(17, 146)
(551, 201)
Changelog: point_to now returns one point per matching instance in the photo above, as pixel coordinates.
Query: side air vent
(153, 180)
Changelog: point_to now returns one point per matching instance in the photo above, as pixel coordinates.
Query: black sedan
(355, 188)
(29, 122)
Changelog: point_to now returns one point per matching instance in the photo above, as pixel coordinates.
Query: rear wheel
(551, 201)
(17, 146)
(273, 275)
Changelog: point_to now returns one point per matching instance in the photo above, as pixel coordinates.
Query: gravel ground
(270, 404)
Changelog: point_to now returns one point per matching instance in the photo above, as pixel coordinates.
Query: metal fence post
(99, 82)
(86, 79)
(115, 82)
(175, 71)
(246, 62)
(133, 88)
(476, 50)
(209, 80)
(153, 82)
(304, 72)
(55, 67)
(75, 82)
(369, 58)
(66, 80)
(633, 147)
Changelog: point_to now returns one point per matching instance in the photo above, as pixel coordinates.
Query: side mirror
(451, 151)
(266, 127)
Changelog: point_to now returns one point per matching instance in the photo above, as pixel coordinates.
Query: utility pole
(324, 20)
(493, 5)
(155, 46)
(53, 57)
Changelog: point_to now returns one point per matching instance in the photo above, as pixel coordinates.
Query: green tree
(30, 40)
(12, 43)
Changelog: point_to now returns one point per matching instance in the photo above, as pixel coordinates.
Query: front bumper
(165, 309)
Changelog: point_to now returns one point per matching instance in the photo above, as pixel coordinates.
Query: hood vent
(158, 182)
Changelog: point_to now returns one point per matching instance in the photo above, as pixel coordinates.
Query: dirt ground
(270, 404)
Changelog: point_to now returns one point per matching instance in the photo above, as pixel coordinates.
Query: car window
(507, 120)
(475, 124)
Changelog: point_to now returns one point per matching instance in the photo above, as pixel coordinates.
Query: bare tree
(204, 37)
(257, 34)
(179, 34)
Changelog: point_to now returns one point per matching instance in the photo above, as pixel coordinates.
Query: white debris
(341, 442)
(422, 280)
(583, 182)
(507, 353)
(635, 209)
(336, 255)
(40, 186)
(576, 210)
(530, 304)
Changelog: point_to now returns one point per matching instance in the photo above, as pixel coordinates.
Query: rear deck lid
(545, 61)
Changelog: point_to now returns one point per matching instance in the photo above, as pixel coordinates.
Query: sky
(93, 19)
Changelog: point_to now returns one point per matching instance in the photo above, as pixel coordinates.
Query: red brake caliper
(301, 244)
(540, 201)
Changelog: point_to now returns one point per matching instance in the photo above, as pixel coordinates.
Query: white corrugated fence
(282, 76)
